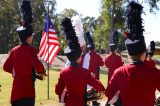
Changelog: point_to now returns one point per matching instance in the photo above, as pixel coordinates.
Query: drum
(93, 95)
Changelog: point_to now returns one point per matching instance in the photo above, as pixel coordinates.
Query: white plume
(77, 23)
(78, 26)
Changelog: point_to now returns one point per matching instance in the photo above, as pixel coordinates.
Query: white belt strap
(114, 99)
(86, 61)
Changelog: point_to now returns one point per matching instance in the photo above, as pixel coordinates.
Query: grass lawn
(157, 57)
(41, 88)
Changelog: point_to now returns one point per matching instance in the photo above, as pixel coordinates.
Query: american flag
(49, 43)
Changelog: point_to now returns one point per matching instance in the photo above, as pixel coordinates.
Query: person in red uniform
(149, 61)
(92, 61)
(113, 60)
(74, 78)
(95, 60)
(23, 61)
(136, 82)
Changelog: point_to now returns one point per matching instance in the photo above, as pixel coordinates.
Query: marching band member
(149, 61)
(78, 26)
(74, 78)
(22, 60)
(136, 82)
(92, 61)
(113, 60)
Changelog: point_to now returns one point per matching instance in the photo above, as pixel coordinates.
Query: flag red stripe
(45, 51)
(49, 43)
(54, 33)
(55, 54)
(42, 46)
(53, 41)
(42, 40)
(50, 53)
(53, 38)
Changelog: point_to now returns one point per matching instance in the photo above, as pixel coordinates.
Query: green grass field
(157, 57)
(41, 88)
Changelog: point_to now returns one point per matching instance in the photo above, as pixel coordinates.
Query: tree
(154, 4)
(9, 22)
(69, 13)
(157, 43)
(39, 8)
(112, 18)
(89, 23)
(104, 26)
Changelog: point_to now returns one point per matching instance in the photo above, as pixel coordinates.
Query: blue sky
(91, 8)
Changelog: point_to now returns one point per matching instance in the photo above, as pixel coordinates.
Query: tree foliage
(100, 28)
(104, 26)
(89, 23)
(69, 13)
(40, 10)
(9, 22)
(157, 43)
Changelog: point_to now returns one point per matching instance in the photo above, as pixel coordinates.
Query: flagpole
(48, 49)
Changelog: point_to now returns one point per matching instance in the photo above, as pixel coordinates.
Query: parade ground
(41, 88)
(79, 53)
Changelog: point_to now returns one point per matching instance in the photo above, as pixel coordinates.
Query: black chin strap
(24, 43)
(137, 62)
(74, 64)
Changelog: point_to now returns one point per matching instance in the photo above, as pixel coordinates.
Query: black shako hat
(73, 51)
(135, 43)
(114, 43)
(26, 29)
(151, 48)
(112, 47)
(90, 43)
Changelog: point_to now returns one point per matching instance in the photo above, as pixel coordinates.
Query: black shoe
(95, 103)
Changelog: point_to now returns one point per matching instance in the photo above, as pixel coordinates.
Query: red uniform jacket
(150, 63)
(137, 85)
(112, 61)
(19, 63)
(92, 62)
(75, 79)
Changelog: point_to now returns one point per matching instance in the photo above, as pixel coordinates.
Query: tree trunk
(112, 24)
(112, 20)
